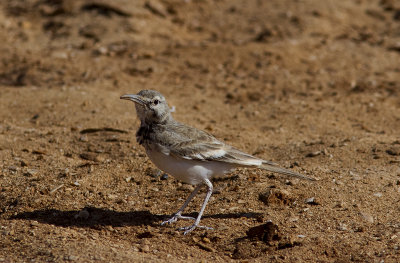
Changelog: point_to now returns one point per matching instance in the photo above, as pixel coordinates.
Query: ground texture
(312, 85)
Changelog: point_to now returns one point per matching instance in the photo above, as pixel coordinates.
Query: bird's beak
(135, 98)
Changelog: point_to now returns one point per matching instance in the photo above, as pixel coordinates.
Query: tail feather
(272, 168)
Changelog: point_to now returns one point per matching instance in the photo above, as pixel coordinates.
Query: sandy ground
(312, 85)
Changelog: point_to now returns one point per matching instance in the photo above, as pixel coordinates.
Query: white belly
(188, 171)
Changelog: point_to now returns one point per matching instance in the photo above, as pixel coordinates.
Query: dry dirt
(313, 85)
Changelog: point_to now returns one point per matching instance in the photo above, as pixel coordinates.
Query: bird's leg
(196, 223)
(178, 215)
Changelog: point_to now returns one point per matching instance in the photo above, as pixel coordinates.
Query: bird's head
(151, 106)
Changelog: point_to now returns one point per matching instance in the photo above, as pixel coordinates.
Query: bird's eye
(155, 102)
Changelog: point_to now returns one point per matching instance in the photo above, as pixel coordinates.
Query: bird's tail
(272, 168)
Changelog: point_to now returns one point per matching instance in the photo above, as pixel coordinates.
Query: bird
(189, 154)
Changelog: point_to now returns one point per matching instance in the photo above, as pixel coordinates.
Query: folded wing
(201, 146)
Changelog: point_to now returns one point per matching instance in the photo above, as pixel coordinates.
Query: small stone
(111, 196)
(266, 232)
(145, 248)
(340, 204)
(13, 168)
(31, 172)
(356, 177)
(156, 8)
(313, 154)
(310, 200)
(206, 248)
(83, 214)
(128, 179)
(103, 50)
(207, 240)
(84, 138)
(59, 54)
(378, 194)
(395, 151)
(164, 176)
(276, 196)
(92, 157)
(76, 183)
(301, 236)
(152, 172)
(342, 227)
(99, 159)
(367, 217)
(55, 189)
(71, 258)
(135, 249)
(34, 223)
(186, 187)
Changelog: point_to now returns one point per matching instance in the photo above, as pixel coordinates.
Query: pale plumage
(189, 154)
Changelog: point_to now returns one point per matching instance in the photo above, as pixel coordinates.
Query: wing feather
(192, 144)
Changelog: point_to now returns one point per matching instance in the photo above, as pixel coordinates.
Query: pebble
(342, 227)
(310, 200)
(355, 177)
(186, 187)
(206, 239)
(275, 196)
(56, 188)
(145, 248)
(164, 176)
(60, 54)
(367, 217)
(313, 154)
(206, 248)
(128, 179)
(155, 173)
(34, 223)
(84, 138)
(83, 214)
(156, 7)
(395, 151)
(71, 258)
(13, 168)
(378, 194)
(31, 172)
(92, 157)
(111, 196)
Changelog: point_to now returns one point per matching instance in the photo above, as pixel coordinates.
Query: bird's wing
(192, 144)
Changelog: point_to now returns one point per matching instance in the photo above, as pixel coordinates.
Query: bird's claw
(188, 229)
(176, 217)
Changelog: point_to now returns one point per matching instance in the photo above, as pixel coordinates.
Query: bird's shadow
(92, 217)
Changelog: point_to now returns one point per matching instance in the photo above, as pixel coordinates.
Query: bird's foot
(176, 217)
(189, 229)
